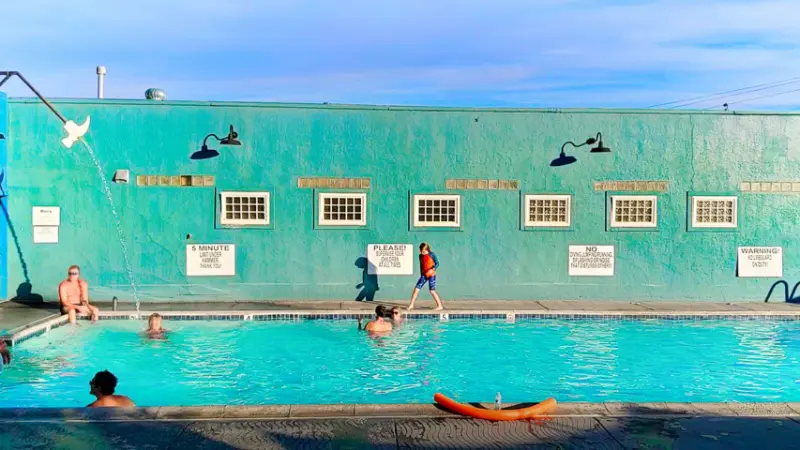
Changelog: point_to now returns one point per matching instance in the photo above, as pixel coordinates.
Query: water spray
(75, 133)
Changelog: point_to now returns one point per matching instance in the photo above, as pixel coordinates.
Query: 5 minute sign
(210, 260)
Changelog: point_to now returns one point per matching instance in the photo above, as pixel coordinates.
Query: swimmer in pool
(102, 386)
(396, 318)
(5, 355)
(154, 329)
(73, 295)
(380, 324)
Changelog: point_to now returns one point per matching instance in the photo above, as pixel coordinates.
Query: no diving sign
(210, 260)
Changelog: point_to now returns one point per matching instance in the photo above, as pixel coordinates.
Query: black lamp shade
(563, 160)
(600, 148)
(205, 153)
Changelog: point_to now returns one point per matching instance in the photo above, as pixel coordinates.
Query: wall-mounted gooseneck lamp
(207, 153)
(564, 159)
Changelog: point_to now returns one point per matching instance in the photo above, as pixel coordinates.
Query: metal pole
(7, 75)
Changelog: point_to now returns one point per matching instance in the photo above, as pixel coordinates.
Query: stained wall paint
(403, 151)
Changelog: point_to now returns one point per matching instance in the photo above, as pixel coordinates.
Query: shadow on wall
(25, 289)
(369, 283)
(789, 298)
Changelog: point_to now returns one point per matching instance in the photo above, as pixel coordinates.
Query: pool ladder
(789, 298)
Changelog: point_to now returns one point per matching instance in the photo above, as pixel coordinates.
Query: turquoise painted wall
(402, 150)
(3, 201)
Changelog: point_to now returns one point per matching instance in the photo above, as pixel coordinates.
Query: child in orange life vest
(428, 263)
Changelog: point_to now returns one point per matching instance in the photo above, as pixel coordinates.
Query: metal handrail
(786, 295)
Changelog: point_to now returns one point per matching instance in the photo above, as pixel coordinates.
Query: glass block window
(244, 208)
(548, 210)
(437, 211)
(342, 209)
(714, 212)
(634, 211)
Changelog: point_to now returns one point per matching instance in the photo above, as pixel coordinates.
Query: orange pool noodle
(530, 412)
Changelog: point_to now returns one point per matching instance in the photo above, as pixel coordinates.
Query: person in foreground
(154, 328)
(73, 295)
(102, 387)
(380, 324)
(428, 263)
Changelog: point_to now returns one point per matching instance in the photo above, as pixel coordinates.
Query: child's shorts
(431, 282)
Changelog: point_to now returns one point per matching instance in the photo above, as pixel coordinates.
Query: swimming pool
(329, 361)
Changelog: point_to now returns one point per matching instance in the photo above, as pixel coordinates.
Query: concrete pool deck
(577, 425)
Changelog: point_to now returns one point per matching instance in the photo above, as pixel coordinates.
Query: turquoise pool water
(327, 361)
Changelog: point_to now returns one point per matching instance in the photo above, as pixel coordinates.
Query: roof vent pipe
(101, 79)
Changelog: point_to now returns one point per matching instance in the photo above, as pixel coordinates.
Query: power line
(749, 89)
(736, 95)
(754, 98)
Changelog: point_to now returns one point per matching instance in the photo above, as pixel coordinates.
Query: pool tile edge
(266, 412)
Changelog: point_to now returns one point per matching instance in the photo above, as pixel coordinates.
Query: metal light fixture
(231, 138)
(564, 159)
(207, 153)
(600, 148)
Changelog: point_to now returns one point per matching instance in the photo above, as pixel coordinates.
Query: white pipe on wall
(101, 75)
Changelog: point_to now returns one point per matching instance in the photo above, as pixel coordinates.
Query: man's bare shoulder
(378, 327)
(123, 400)
(111, 401)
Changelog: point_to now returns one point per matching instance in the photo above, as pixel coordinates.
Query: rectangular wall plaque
(591, 260)
(45, 235)
(210, 260)
(390, 259)
(46, 216)
(760, 262)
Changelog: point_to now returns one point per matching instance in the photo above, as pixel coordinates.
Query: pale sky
(522, 53)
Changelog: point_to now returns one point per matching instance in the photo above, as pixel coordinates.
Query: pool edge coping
(44, 325)
(415, 410)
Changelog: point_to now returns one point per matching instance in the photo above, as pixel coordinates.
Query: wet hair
(106, 382)
(152, 317)
(424, 246)
(74, 266)
(380, 311)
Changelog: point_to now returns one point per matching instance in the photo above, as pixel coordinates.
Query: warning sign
(591, 260)
(766, 262)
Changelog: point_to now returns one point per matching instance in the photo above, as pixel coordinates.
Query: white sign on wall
(210, 260)
(45, 235)
(591, 260)
(760, 262)
(46, 216)
(390, 259)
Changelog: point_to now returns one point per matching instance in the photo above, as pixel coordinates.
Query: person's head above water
(395, 313)
(380, 312)
(73, 272)
(103, 383)
(424, 247)
(154, 322)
